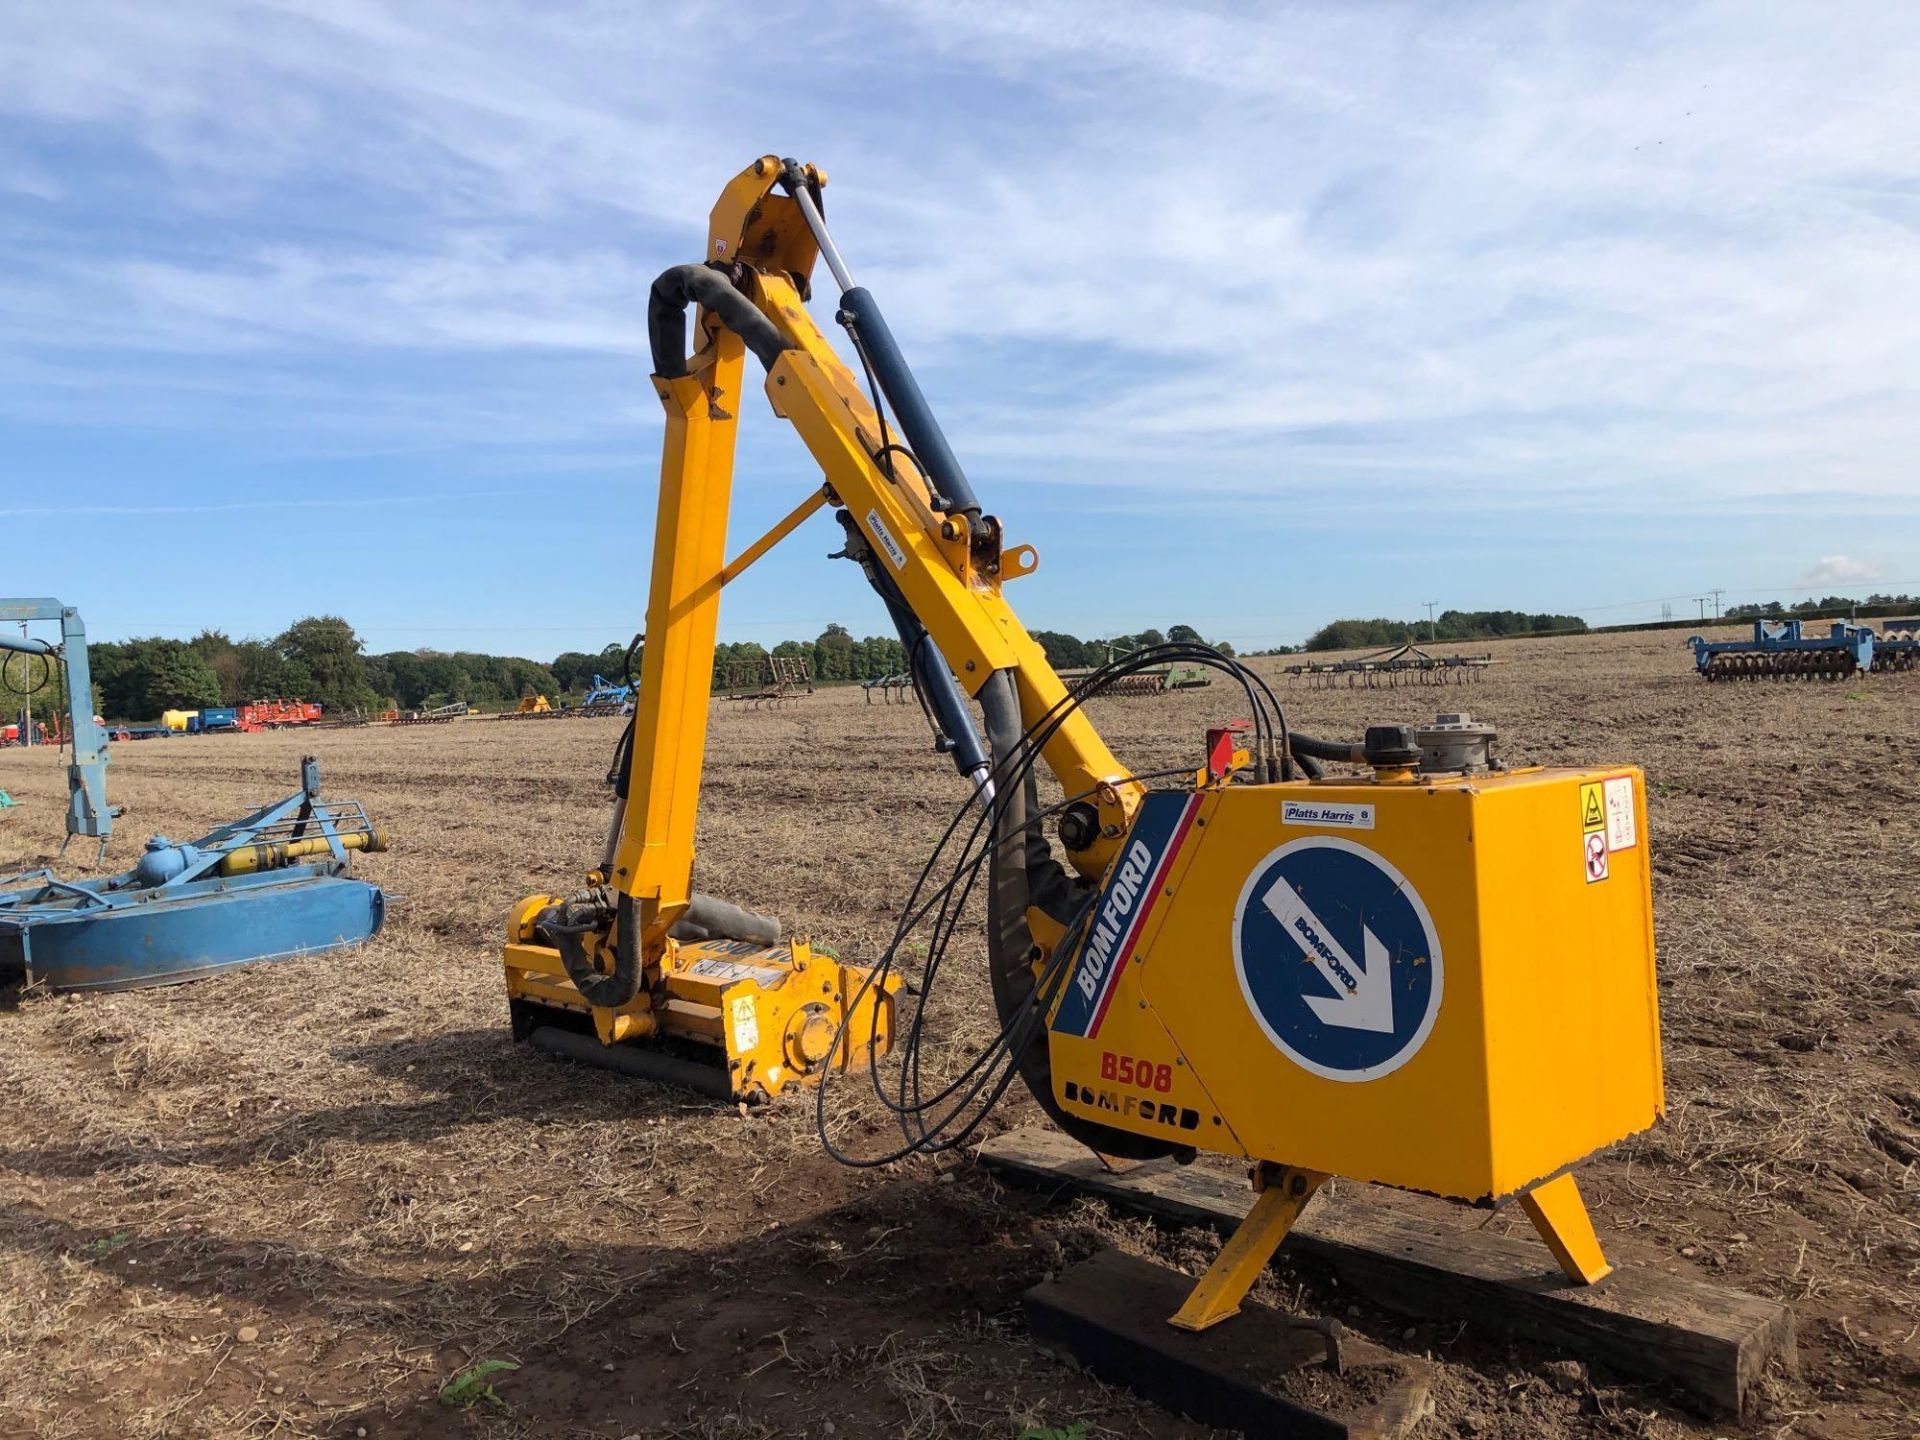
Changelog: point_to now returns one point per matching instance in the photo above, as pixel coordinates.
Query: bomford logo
(1131, 1107)
(1113, 919)
(1310, 937)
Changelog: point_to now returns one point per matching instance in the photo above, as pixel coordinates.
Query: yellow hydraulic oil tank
(176, 720)
(1444, 984)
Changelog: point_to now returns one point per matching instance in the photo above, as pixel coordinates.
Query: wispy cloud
(1646, 256)
(1656, 228)
(1841, 570)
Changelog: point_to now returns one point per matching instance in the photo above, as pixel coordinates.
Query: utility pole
(26, 720)
(1431, 633)
(1703, 608)
(1717, 593)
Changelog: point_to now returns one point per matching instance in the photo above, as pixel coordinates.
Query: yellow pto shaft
(274, 855)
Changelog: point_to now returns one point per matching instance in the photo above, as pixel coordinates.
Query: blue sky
(1248, 317)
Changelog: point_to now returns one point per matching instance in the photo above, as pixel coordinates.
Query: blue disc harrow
(1785, 650)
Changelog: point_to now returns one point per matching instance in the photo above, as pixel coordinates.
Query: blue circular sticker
(1338, 958)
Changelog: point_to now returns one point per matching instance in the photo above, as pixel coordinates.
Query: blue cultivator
(604, 697)
(269, 887)
(1780, 650)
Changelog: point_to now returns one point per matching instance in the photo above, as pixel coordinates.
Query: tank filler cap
(1390, 748)
(1455, 741)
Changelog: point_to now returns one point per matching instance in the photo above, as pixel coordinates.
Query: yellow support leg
(1560, 1215)
(1284, 1193)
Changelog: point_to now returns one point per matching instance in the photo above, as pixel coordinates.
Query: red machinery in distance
(277, 714)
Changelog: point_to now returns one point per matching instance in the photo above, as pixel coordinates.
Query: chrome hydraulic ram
(860, 313)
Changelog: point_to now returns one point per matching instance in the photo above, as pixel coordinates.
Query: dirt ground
(301, 1200)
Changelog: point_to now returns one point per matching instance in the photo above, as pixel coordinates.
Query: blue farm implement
(217, 720)
(269, 887)
(27, 668)
(1785, 649)
(604, 697)
(1898, 645)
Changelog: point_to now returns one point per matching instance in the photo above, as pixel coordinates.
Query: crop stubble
(349, 1156)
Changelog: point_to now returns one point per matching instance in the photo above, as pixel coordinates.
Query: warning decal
(727, 970)
(746, 1026)
(1596, 846)
(1593, 810)
(1620, 830)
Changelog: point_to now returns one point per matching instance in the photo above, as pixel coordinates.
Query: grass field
(304, 1199)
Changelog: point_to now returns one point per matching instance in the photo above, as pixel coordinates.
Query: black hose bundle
(565, 923)
(578, 915)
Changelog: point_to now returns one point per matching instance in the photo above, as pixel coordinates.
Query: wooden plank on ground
(1709, 1341)
(1260, 1372)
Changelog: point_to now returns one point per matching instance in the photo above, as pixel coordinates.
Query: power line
(1767, 590)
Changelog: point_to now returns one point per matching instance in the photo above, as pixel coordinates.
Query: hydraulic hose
(1347, 752)
(686, 285)
(30, 686)
(585, 913)
(566, 927)
(1024, 873)
(706, 917)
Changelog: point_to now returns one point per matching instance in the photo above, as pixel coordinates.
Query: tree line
(1067, 652)
(1875, 604)
(1449, 625)
(321, 658)
(315, 658)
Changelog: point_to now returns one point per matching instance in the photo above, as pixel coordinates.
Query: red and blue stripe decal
(1134, 886)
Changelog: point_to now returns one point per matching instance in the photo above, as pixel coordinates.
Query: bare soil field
(299, 1200)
